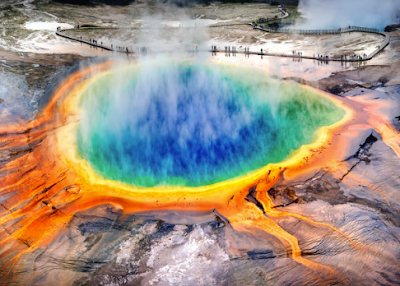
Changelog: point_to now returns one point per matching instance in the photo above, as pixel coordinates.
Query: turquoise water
(191, 124)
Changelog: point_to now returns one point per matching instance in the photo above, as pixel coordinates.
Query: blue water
(187, 125)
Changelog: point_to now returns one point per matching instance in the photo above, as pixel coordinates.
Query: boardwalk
(348, 29)
(283, 15)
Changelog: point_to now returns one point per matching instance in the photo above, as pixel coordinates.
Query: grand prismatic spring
(163, 163)
(186, 136)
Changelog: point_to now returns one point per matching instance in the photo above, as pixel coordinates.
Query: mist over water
(191, 123)
(327, 14)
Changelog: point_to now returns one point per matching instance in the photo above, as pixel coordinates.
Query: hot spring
(192, 124)
(180, 139)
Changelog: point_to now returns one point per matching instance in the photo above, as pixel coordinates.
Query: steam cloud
(180, 123)
(327, 14)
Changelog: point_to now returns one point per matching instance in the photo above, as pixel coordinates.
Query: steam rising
(167, 28)
(327, 14)
(165, 121)
(16, 101)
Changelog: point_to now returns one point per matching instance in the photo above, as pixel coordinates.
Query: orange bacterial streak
(43, 183)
